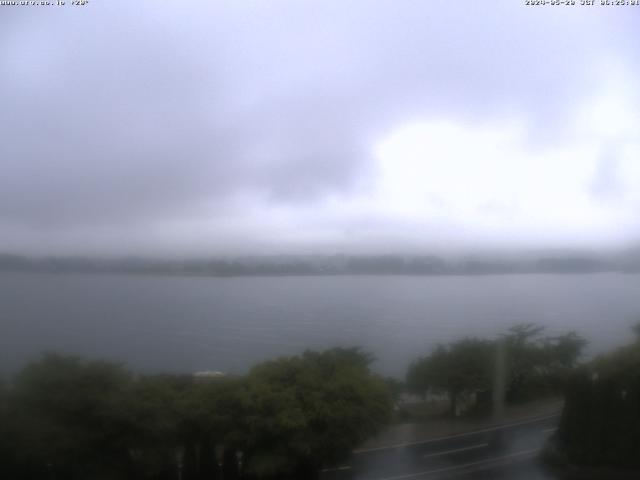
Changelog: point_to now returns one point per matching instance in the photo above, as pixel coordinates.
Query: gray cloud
(121, 116)
(606, 182)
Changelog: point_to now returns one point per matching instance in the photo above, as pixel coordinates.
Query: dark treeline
(534, 365)
(327, 265)
(600, 424)
(67, 418)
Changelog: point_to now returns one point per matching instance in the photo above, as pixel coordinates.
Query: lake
(186, 324)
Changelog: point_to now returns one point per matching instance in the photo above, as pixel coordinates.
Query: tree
(214, 416)
(418, 378)
(68, 417)
(65, 417)
(158, 423)
(396, 388)
(539, 364)
(524, 353)
(535, 365)
(302, 411)
(600, 423)
(461, 367)
(6, 429)
(636, 330)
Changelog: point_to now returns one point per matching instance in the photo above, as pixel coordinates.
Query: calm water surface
(185, 324)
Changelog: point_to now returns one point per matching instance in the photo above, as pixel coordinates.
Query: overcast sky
(191, 128)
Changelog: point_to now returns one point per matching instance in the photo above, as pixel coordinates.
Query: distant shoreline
(332, 265)
(310, 275)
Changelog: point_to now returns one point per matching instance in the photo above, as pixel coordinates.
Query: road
(508, 451)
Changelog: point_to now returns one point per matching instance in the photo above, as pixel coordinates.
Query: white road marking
(549, 430)
(488, 461)
(344, 467)
(457, 435)
(456, 450)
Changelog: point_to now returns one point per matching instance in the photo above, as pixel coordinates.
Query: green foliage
(5, 445)
(304, 410)
(622, 365)
(461, 367)
(417, 377)
(535, 365)
(66, 412)
(600, 424)
(77, 419)
(636, 330)
(396, 388)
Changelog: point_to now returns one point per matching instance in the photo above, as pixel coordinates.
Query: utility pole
(499, 380)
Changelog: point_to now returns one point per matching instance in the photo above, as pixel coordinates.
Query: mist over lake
(187, 324)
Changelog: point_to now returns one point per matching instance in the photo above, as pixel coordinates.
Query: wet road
(505, 451)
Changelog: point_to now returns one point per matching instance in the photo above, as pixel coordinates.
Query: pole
(498, 394)
(499, 381)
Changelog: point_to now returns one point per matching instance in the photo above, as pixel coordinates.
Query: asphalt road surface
(508, 451)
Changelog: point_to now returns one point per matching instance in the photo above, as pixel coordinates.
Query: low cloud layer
(271, 127)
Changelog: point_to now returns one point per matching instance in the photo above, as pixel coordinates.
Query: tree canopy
(535, 364)
(600, 424)
(312, 408)
(72, 418)
(461, 367)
